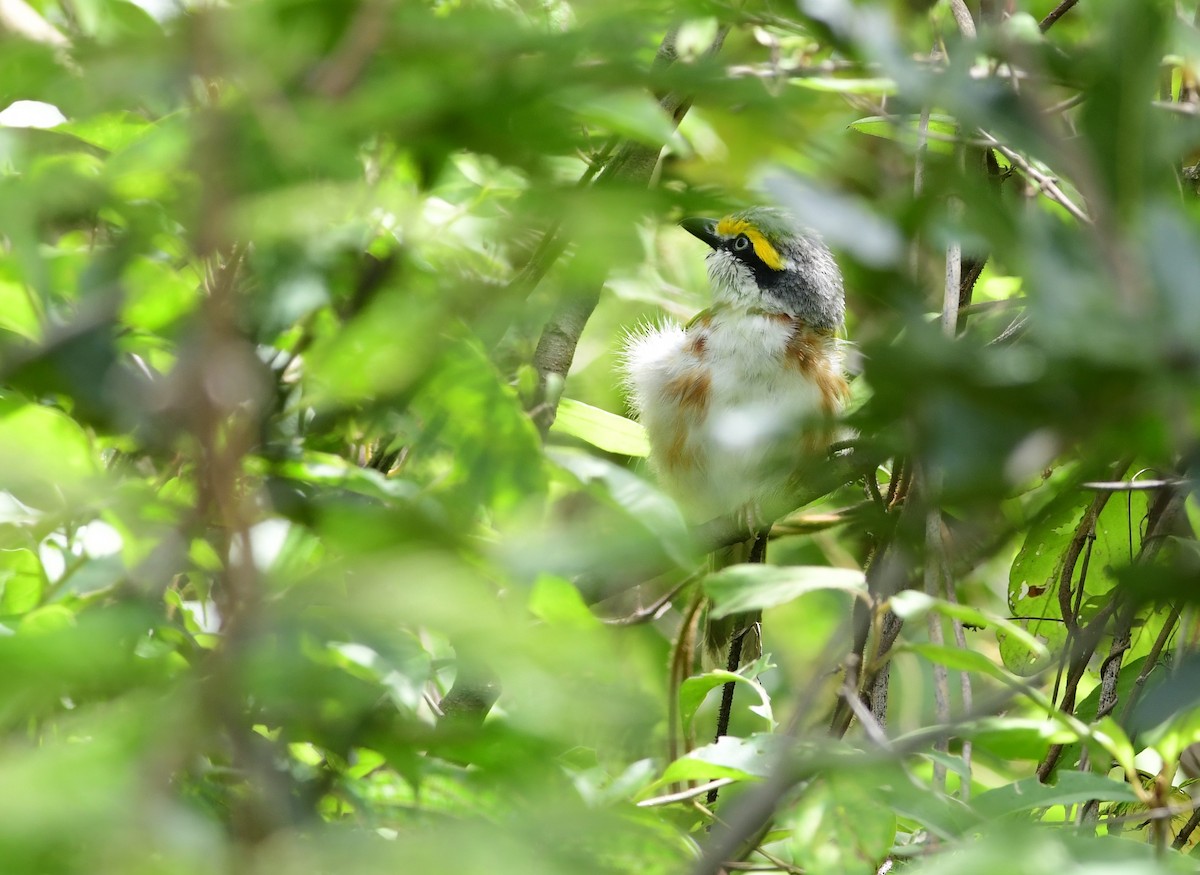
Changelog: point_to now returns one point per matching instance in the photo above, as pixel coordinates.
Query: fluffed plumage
(734, 402)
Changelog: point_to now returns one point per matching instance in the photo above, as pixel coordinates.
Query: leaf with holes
(1034, 577)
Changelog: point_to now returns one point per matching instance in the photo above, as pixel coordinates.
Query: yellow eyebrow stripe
(731, 227)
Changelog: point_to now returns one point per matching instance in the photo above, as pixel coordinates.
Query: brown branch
(1085, 645)
(1045, 184)
(962, 18)
(1162, 515)
(337, 74)
(1084, 533)
(1160, 643)
(1055, 14)
(1181, 837)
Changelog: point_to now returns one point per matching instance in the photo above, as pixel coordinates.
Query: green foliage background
(277, 472)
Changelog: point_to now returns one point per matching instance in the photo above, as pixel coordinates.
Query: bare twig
(1055, 14)
(1131, 485)
(652, 610)
(1164, 635)
(962, 18)
(758, 804)
(1046, 185)
(1163, 516)
(1181, 837)
(870, 724)
(338, 73)
(941, 678)
(684, 795)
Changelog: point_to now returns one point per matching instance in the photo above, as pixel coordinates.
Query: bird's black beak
(705, 229)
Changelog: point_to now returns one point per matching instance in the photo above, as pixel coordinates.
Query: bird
(738, 400)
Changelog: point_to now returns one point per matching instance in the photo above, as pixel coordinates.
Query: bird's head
(763, 259)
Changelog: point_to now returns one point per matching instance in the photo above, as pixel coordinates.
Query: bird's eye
(741, 244)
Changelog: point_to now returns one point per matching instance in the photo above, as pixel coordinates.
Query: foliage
(288, 294)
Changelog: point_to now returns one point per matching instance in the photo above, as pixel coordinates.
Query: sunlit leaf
(742, 759)
(607, 431)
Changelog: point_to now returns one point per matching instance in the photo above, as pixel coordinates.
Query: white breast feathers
(725, 403)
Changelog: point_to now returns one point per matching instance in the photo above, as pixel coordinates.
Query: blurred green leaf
(740, 588)
(109, 131)
(944, 129)
(634, 115)
(601, 429)
(646, 504)
(837, 828)
(742, 759)
(46, 456)
(1029, 794)
(847, 86)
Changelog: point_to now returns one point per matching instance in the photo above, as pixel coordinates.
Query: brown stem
(1055, 14)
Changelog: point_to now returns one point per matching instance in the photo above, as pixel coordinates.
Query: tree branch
(1055, 14)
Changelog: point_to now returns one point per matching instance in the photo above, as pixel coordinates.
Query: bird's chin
(732, 282)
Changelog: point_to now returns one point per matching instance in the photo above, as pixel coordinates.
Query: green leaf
(491, 451)
(1033, 581)
(1029, 794)
(846, 86)
(21, 580)
(906, 129)
(1022, 738)
(743, 759)
(913, 603)
(694, 690)
(631, 114)
(110, 131)
(749, 587)
(944, 816)
(17, 311)
(839, 827)
(44, 454)
(557, 601)
(47, 619)
(960, 660)
(604, 430)
(158, 295)
(637, 497)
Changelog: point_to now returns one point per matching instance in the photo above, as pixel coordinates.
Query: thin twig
(1046, 185)
(941, 678)
(684, 795)
(651, 611)
(758, 804)
(1055, 14)
(1151, 661)
(1132, 485)
(871, 726)
(962, 18)
(1181, 837)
